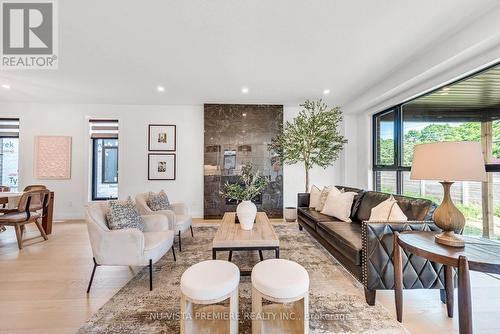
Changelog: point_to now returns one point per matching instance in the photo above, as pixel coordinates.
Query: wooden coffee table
(231, 237)
(478, 254)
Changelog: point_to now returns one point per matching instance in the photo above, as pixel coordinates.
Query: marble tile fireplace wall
(234, 135)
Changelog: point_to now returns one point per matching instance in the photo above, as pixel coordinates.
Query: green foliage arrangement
(253, 184)
(311, 138)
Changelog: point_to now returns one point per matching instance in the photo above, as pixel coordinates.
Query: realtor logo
(29, 35)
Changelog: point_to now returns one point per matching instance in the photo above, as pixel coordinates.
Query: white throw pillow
(382, 211)
(338, 204)
(397, 214)
(314, 197)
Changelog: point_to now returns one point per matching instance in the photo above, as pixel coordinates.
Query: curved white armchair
(178, 218)
(127, 247)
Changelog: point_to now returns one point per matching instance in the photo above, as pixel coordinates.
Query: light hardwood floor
(42, 288)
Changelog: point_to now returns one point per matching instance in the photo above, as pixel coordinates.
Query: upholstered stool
(283, 282)
(209, 282)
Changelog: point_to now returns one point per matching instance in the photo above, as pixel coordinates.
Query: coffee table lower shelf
(276, 250)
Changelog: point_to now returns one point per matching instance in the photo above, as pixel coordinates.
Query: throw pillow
(123, 214)
(382, 211)
(158, 201)
(314, 197)
(324, 195)
(397, 214)
(338, 205)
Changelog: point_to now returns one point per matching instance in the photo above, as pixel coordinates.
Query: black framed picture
(161, 137)
(161, 166)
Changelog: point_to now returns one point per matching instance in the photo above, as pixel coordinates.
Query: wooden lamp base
(448, 218)
(449, 238)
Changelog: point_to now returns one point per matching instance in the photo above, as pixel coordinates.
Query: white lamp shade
(448, 161)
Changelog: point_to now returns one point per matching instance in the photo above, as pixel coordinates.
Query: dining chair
(34, 187)
(4, 189)
(26, 212)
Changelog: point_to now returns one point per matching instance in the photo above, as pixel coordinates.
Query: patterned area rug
(337, 302)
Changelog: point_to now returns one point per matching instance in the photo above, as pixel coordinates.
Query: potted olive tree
(312, 137)
(251, 184)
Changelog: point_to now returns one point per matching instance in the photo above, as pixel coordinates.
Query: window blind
(9, 127)
(103, 128)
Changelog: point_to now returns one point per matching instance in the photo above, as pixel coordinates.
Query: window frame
(94, 169)
(13, 137)
(398, 149)
(398, 134)
(398, 167)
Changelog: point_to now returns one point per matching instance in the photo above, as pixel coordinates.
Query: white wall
(358, 156)
(72, 120)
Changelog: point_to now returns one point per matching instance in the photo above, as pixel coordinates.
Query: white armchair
(127, 247)
(178, 218)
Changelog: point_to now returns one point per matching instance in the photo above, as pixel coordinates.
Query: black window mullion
(399, 182)
(396, 136)
(94, 169)
(399, 149)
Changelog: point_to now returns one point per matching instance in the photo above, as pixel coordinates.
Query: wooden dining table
(12, 197)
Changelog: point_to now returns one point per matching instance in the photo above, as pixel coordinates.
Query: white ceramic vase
(246, 212)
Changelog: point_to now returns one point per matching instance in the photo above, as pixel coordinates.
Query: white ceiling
(284, 51)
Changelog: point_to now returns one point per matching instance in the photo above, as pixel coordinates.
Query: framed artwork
(161, 166)
(52, 157)
(161, 137)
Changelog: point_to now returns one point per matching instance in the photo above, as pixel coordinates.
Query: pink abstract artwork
(53, 157)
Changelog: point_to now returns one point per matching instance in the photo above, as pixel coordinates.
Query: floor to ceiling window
(468, 110)
(9, 152)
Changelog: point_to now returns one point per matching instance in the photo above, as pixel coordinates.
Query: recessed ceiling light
(244, 114)
(5, 86)
(326, 91)
(161, 89)
(244, 90)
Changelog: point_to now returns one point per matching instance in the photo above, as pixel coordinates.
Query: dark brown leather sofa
(365, 247)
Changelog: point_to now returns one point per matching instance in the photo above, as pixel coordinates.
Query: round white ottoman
(209, 282)
(280, 281)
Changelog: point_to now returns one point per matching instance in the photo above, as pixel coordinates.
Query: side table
(478, 254)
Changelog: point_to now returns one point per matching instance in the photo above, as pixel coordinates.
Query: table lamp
(447, 162)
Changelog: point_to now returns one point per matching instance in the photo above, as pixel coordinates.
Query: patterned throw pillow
(158, 201)
(123, 214)
(322, 198)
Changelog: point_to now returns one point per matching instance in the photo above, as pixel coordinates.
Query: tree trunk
(307, 180)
